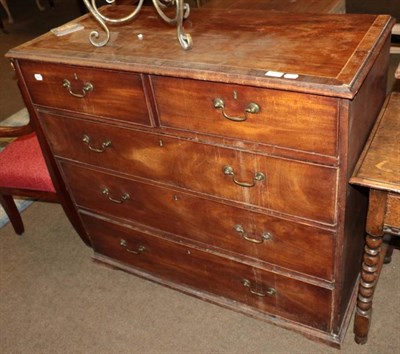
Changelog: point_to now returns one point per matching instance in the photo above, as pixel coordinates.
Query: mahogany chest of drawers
(221, 171)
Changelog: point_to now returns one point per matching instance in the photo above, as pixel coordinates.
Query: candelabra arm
(127, 18)
(94, 35)
(185, 39)
(181, 13)
(159, 6)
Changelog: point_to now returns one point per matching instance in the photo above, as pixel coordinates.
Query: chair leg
(388, 256)
(387, 238)
(40, 6)
(7, 202)
(2, 26)
(5, 6)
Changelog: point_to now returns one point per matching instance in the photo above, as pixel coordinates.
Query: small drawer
(91, 91)
(285, 119)
(392, 217)
(287, 186)
(267, 292)
(237, 231)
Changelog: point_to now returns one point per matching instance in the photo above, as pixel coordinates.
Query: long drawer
(265, 291)
(286, 119)
(115, 95)
(283, 185)
(257, 236)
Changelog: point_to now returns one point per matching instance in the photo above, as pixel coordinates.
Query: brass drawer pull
(264, 237)
(140, 249)
(252, 108)
(104, 145)
(269, 292)
(258, 177)
(87, 87)
(124, 197)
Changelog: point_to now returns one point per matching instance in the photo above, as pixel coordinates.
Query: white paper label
(291, 76)
(274, 73)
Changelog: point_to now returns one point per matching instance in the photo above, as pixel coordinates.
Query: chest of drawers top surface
(311, 6)
(236, 46)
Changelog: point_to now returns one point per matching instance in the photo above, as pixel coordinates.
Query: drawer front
(261, 237)
(287, 186)
(285, 119)
(267, 292)
(114, 94)
(392, 218)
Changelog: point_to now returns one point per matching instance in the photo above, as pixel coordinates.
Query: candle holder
(181, 13)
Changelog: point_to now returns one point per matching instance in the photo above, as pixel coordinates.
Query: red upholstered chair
(23, 172)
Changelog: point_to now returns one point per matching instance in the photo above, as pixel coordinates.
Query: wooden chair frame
(6, 193)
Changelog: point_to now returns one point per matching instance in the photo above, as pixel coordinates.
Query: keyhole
(235, 95)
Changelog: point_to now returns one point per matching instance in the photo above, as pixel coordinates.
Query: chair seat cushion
(22, 165)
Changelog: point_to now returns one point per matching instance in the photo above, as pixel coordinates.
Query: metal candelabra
(181, 13)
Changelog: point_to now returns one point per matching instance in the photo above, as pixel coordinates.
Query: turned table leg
(372, 263)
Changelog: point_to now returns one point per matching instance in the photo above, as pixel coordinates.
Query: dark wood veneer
(169, 147)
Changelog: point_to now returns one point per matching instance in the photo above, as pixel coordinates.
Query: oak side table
(379, 170)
